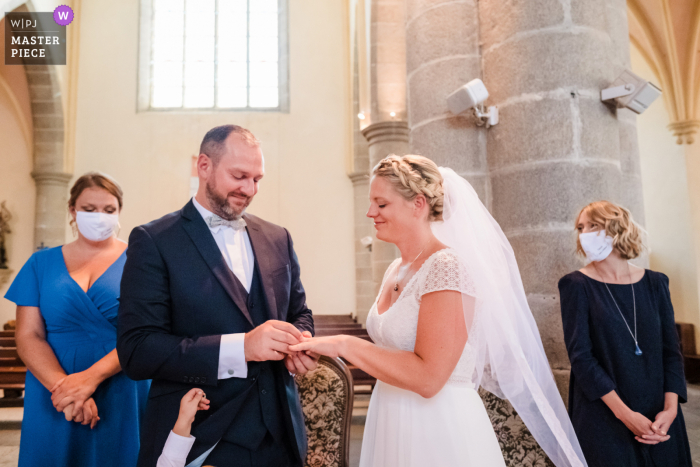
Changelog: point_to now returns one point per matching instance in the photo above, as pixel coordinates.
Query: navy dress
(602, 354)
(81, 329)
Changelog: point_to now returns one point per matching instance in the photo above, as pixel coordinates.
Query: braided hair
(413, 175)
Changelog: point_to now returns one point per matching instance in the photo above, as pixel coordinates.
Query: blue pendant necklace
(637, 350)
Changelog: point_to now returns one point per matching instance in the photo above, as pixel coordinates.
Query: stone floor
(10, 418)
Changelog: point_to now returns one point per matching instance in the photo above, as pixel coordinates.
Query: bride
(451, 315)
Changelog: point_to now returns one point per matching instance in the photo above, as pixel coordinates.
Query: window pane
(233, 22)
(201, 5)
(263, 74)
(165, 96)
(199, 74)
(232, 74)
(263, 5)
(200, 22)
(263, 24)
(167, 49)
(198, 97)
(264, 97)
(167, 23)
(232, 97)
(172, 5)
(226, 6)
(167, 74)
(232, 49)
(199, 48)
(263, 49)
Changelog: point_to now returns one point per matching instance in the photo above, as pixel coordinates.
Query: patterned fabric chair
(326, 399)
(518, 446)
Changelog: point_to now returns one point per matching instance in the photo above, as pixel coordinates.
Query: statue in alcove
(5, 217)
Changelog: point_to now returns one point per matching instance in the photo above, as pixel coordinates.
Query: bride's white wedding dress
(403, 429)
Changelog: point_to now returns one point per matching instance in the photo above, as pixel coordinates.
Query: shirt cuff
(175, 450)
(232, 362)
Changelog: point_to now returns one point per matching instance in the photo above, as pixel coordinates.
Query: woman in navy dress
(627, 378)
(79, 408)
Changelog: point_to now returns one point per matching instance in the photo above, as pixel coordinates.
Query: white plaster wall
(666, 203)
(306, 188)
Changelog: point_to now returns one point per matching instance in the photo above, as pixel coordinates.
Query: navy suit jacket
(178, 297)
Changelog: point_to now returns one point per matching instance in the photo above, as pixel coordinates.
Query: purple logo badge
(63, 15)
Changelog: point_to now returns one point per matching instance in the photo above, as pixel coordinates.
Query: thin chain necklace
(408, 268)
(637, 350)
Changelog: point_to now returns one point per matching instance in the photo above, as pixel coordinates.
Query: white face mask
(96, 226)
(596, 245)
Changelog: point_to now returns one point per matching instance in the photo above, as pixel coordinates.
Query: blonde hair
(618, 223)
(412, 175)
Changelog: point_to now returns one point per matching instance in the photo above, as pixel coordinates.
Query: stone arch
(49, 172)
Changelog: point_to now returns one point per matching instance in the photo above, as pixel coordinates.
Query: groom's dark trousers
(178, 297)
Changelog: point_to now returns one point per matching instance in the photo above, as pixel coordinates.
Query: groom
(211, 298)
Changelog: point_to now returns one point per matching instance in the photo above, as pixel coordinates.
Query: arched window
(213, 54)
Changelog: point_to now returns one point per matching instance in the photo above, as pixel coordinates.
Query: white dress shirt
(238, 253)
(175, 451)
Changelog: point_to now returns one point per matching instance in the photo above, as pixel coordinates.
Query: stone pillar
(630, 195)
(384, 138)
(558, 147)
(388, 61)
(365, 292)
(51, 208)
(387, 132)
(442, 54)
(49, 174)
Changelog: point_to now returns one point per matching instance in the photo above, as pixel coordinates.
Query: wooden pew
(691, 361)
(12, 371)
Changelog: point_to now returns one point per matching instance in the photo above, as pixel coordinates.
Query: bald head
(214, 142)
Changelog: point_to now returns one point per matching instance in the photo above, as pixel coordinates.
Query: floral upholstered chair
(518, 446)
(326, 398)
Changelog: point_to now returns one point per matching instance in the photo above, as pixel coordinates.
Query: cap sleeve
(447, 272)
(24, 290)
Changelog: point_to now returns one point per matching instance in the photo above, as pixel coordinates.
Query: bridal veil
(510, 358)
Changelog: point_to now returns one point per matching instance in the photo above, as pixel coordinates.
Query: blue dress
(602, 354)
(81, 329)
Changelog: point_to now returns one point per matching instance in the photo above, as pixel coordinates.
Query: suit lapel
(262, 250)
(203, 239)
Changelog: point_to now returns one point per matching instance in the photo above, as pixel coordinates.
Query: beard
(220, 206)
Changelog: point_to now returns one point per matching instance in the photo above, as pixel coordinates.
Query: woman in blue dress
(79, 408)
(627, 378)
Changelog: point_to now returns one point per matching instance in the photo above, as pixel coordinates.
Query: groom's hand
(301, 363)
(270, 341)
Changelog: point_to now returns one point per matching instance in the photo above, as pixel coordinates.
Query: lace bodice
(396, 327)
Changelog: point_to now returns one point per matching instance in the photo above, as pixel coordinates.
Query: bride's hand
(330, 346)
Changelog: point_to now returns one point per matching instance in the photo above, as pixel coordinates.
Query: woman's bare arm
(33, 349)
(440, 340)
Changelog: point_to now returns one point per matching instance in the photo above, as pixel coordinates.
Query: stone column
(387, 132)
(558, 147)
(630, 195)
(51, 208)
(384, 138)
(442, 54)
(364, 282)
(49, 174)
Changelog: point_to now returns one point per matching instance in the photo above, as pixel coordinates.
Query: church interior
(331, 87)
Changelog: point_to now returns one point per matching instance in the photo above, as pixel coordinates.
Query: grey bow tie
(216, 221)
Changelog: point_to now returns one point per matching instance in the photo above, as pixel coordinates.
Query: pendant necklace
(637, 350)
(396, 285)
